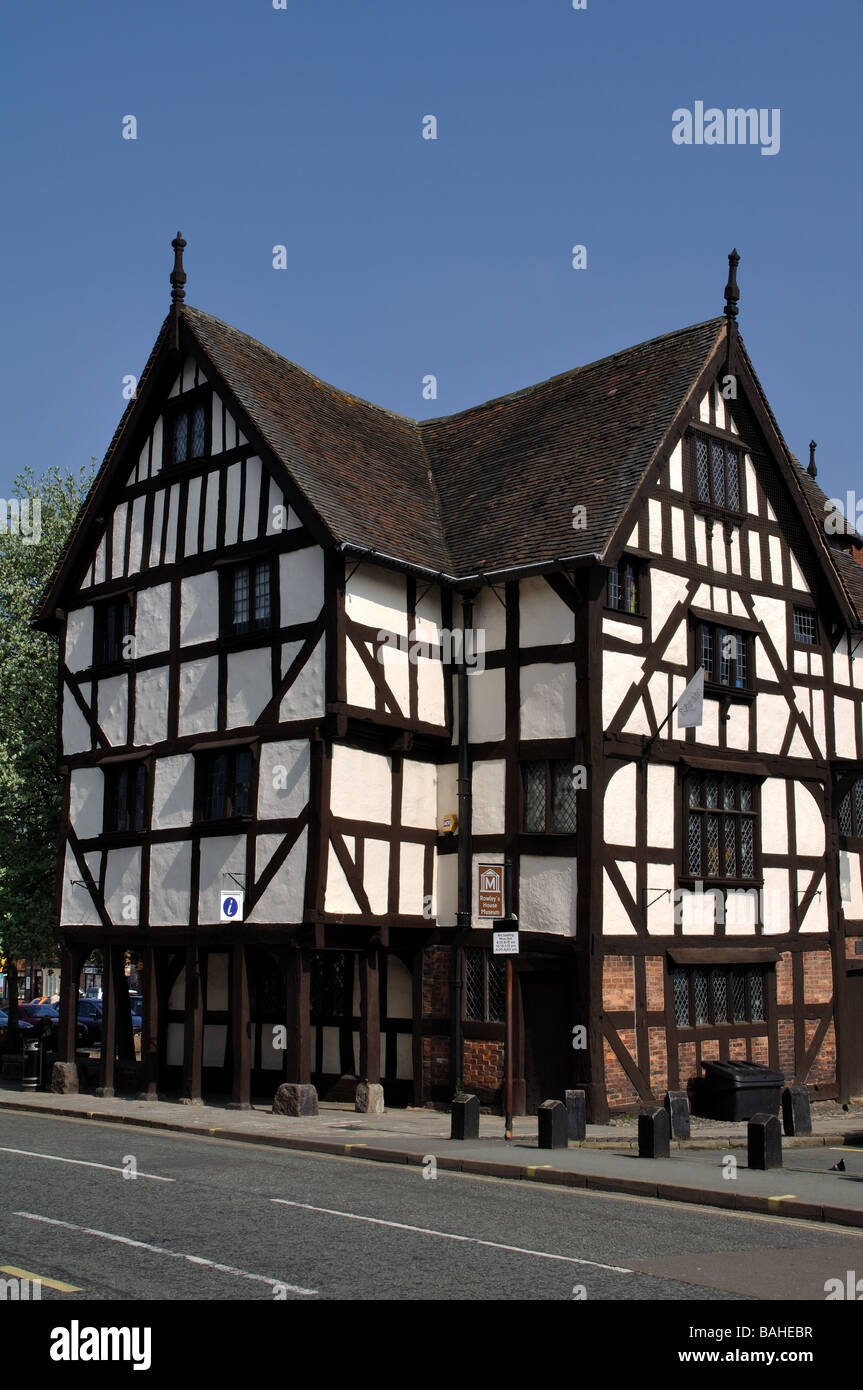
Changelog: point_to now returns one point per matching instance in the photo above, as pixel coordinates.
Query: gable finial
(812, 470)
(178, 287)
(732, 293)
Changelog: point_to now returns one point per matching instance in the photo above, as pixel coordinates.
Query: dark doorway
(547, 1012)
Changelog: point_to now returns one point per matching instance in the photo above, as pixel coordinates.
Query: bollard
(764, 1142)
(654, 1134)
(677, 1105)
(464, 1121)
(295, 1099)
(576, 1114)
(796, 1115)
(30, 1070)
(553, 1125)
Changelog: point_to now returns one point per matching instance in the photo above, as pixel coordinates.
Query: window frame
(114, 773)
(712, 686)
(639, 570)
(205, 761)
(800, 642)
(548, 762)
(846, 786)
(187, 404)
(489, 959)
(722, 881)
(101, 654)
(713, 1023)
(720, 439)
(227, 573)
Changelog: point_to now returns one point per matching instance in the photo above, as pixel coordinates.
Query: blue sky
(303, 127)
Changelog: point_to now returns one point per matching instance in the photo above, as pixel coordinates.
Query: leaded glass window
(724, 656)
(850, 810)
(717, 473)
(623, 587)
(484, 986)
(190, 434)
(721, 827)
(126, 797)
(706, 996)
(251, 590)
(226, 783)
(548, 797)
(804, 626)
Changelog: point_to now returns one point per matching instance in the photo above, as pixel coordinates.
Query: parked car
(23, 1021)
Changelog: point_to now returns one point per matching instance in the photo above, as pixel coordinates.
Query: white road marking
(450, 1235)
(82, 1163)
(172, 1254)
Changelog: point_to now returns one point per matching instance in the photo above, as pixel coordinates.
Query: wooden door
(546, 1005)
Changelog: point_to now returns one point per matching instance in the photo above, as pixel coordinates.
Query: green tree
(34, 524)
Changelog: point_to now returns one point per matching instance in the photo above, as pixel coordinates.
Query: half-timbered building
(324, 661)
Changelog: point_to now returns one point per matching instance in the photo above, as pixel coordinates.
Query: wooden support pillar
(240, 1030)
(125, 1032)
(149, 1028)
(370, 1016)
(298, 996)
(419, 1096)
(70, 973)
(193, 1029)
(109, 1022)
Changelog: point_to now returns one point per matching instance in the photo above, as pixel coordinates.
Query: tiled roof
(849, 571)
(490, 488)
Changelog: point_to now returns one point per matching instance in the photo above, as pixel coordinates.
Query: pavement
(709, 1169)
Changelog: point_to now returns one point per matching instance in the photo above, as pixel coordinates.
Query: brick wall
(618, 983)
(437, 981)
(619, 1088)
(483, 1068)
(817, 977)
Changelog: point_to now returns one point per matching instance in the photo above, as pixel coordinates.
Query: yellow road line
(46, 1283)
(786, 1197)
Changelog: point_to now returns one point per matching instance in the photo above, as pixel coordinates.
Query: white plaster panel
(654, 525)
(660, 806)
(193, 512)
(158, 527)
(99, 563)
(211, 511)
(114, 709)
(233, 480)
(361, 785)
(737, 726)
(199, 609)
(734, 550)
(775, 902)
(301, 585)
(545, 620)
(86, 788)
(615, 918)
(815, 917)
(136, 536)
(699, 531)
(283, 778)
(118, 541)
(411, 862)
(753, 490)
(395, 672)
(487, 708)
(151, 706)
(620, 672)
(339, 895)
(816, 664)
(772, 714)
(698, 912)
(221, 855)
(488, 796)
(277, 521)
(678, 533)
(447, 790)
(845, 735)
(173, 523)
(252, 505)
(718, 551)
(78, 908)
(809, 821)
(755, 554)
(428, 620)
(742, 911)
(675, 468)
(797, 580)
(446, 889)
(660, 898)
(775, 551)
(666, 590)
(79, 639)
(419, 794)
(547, 700)
(360, 686)
(153, 620)
(174, 791)
(174, 1044)
(771, 612)
(283, 899)
(199, 694)
(547, 894)
(619, 807)
(217, 443)
(305, 699)
(431, 702)
(709, 731)
(123, 886)
(704, 408)
(249, 685)
(377, 598)
(719, 408)
(170, 884)
(624, 632)
(489, 616)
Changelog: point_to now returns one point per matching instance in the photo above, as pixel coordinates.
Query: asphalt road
(212, 1220)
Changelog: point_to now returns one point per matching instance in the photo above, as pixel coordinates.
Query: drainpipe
(463, 916)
